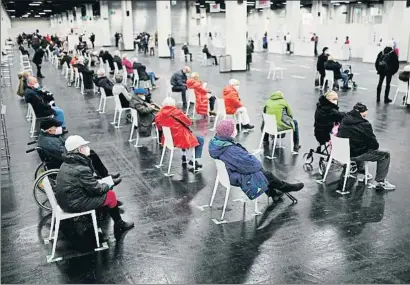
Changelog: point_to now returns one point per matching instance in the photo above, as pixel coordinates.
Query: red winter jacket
(201, 96)
(179, 124)
(128, 66)
(231, 99)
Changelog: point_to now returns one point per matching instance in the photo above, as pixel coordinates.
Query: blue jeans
(198, 149)
(171, 52)
(152, 77)
(345, 79)
(59, 116)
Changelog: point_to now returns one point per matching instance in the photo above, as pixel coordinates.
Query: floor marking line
(362, 88)
(289, 60)
(297, 76)
(256, 69)
(304, 66)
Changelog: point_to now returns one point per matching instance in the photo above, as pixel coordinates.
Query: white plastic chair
(273, 69)
(124, 76)
(81, 78)
(101, 62)
(330, 78)
(204, 59)
(182, 56)
(107, 69)
(341, 153)
(31, 115)
(221, 112)
(191, 99)
(103, 101)
(136, 80)
(58, 215)
(169, 143)
(116, 69)
(118, 110)
(402, 87)
(76, 78)
(134, 115)
(66, 69)
(270, 127)
(222, 177)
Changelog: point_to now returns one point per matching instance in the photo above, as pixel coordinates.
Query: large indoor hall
(276, 167)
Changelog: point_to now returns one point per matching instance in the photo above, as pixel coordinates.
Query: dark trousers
(92, 44)
(381, 157)
(186, 56)
(274, 183)
(212, 100)
(322, 77)
(288, 47)
(124, 102)
(39, 70)
(379, 86)
(116, 42)
(152, 51)
(98, 165)
(181, 89)
(215, 60)
(315, 51)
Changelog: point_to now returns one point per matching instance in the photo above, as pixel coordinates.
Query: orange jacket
(201, 96)
(231, 99)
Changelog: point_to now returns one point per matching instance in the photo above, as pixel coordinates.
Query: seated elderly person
(107, 57)
(77, 190)
(179, 123)
(202, 96)
(65, 59)
(117, 59)
(233, 104)
(364, 145)
(146, 112)
(51, 141)
(43, 102)
(143, 74)
(336, 67)
(244, 169)
(277, 106)
(205, 50)
(102, 81)
(87, 74)
(327, 115)
(178, 83)
(127, 64)
(186, 52)
(122, 91)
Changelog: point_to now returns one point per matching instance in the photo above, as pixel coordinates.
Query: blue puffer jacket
(244, 169)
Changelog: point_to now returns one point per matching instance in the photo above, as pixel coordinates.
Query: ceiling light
(24, 16)
(41, 13)
(47, 10)
(336, 4)
(11, 10)
(11, 1)
(34, 4)
(13, 16)
(359, 2)
(37, 16)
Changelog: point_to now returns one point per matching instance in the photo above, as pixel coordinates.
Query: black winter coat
(105, 83)
(40, 106)
(171, 42)
(77, 188)
(320, 65)
(66, 58)
(108, 57)
(117, 59)
(145, 115)
(178, 79)
(141, 69)
(38, 56)
(359, 132)
(53, 147)
(392, 61)
(335, 67)
(327, 114)
(87, 76)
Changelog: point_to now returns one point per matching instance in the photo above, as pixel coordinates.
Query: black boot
(266, 138)
(119, 224)
(114, 175)
(291, 187)
(117, 181)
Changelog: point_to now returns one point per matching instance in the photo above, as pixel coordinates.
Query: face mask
(235, 132)
(334, 102)
(36, 86)
(236, 87)
(142, 97)
(85, 150)
(59, 130)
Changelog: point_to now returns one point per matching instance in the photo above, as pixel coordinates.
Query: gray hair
(118, 78)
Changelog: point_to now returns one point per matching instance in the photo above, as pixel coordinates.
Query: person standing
(315, 39)
(320, 65)
(117, 39)
(288, 43)
(171, 46)
(387, 64)
(92, 39)
(38, 60)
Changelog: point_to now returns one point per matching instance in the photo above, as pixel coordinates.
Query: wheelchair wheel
(40, 169)
(38, 191)
(353, 167)
(322, 166)
(308, 158)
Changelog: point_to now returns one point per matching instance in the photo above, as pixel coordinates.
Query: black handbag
(317, 83)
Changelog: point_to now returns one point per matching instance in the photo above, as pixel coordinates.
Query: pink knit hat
(225, 128)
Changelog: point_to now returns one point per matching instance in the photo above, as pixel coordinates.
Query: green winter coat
(277, 106)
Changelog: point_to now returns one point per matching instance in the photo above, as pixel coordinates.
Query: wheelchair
(45, 169)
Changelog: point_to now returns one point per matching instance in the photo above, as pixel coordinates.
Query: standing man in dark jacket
(320, 65)
(38, 60)
(79, 191)
(171, 46)
(92, 39)
(336, 67)
(186, 52)
(326, 116)
(387, 64)
(117, 39)
(364, 145)
(178, 82)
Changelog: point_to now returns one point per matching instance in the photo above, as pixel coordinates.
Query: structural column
(164, 27)
(204, 27)
(127, 25)
(394, 15)
(89, 11)
(235, 44)
(293, 18)
(78, 20)
(70, 18)
(104, 32)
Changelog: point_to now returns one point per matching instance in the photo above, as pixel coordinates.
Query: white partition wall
(5, 26)
(235, 45)
(127, 25)
(163, 26)
(105, 32)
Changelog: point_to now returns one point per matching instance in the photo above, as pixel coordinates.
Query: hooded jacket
(326, 116)
(359, 132)
(244, 169)
(278, 107)
(179, 124)
(178, 79)
(38, 56)
(87, 76)
(128, 65)
(105, 83)
(40, 106)
(145, 114)
(231, 99)
(320, 65)
(77, 188)
(201, 96)
(392, 61)
(335, 67)
(117, 59)
(141, 69)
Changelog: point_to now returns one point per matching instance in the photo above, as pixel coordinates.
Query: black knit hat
(48, 123)
(360, 107)
(325, 49)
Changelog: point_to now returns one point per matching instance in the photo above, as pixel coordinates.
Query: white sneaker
(360, 177)
(386, 185)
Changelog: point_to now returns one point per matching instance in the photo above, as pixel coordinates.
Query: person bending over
(77, 190)
(108, 57)
(278, 107)
(117, 59)
(87, 74)
(327, 115)
(143, 74)
(170, 116)
(233, 104)
(102, 81)
(336, 67)
(43, 102)
(186, 52)
(178, 83)
(209, 55)
(320, 65)
(387, 64)
(364, 145)
(244, 169)
(38, 60)
(202, 96)
(66, 59)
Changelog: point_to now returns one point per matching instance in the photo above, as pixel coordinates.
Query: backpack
(20, 89)
(382, 66)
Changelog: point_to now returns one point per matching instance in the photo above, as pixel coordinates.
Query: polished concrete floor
(363, 237)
